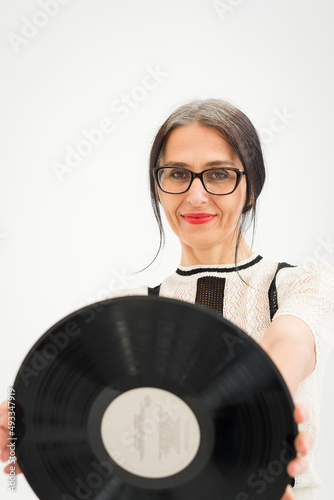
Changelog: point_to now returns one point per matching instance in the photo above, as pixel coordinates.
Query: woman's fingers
(3, 414)
(3, 432)
(300, 414)
(7, 469)
(303, 443)
(288, 495)
(297, 466)
(5, 452)
(3, 444)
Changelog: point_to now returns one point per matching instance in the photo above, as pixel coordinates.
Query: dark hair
(237, 130)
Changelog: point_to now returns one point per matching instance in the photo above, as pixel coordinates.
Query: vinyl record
(152, 398)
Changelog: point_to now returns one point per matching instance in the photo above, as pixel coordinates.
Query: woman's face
(198, 148)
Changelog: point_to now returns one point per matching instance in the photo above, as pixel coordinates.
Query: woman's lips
(198, 218)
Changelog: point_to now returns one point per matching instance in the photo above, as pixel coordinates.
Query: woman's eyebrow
(219, 162)
(175, 164)
(215, 163)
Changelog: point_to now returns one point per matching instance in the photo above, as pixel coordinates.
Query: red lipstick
(198, 217)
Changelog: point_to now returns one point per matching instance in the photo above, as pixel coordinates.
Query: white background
(63, 244)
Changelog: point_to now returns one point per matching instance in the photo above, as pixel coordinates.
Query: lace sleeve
(308, 293)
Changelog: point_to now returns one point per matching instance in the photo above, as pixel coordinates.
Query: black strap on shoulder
(154, 291)
(272, 293)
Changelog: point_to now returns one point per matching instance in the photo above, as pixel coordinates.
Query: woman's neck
(214, 256)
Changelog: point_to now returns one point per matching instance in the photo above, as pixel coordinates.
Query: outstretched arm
(290, 344)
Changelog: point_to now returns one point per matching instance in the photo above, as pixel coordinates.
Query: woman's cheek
(171, 219)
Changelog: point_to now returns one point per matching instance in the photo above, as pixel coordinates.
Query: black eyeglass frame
(195, 175)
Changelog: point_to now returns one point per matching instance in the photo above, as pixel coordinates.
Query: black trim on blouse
(181, 272)
(155, 290)
(272, 292)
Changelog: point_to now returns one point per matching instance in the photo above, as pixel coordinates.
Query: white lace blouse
(251, 298)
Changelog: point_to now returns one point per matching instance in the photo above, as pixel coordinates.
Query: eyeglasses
(177, 180)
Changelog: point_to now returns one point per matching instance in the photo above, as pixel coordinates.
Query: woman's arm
(290, 344)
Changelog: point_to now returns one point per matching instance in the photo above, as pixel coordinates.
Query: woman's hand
(302, 444)
(4, 435)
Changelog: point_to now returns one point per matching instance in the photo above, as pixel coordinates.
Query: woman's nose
(197, 194)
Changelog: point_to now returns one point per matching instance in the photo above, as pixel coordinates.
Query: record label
(150, 432)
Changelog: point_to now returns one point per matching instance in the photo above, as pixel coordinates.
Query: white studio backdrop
(85, 86)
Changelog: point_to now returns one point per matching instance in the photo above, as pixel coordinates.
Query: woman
(207, 171)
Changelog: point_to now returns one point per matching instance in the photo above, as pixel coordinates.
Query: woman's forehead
(196, 140)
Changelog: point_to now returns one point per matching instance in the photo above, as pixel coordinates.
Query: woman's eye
(218, 175)
(178, 174)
